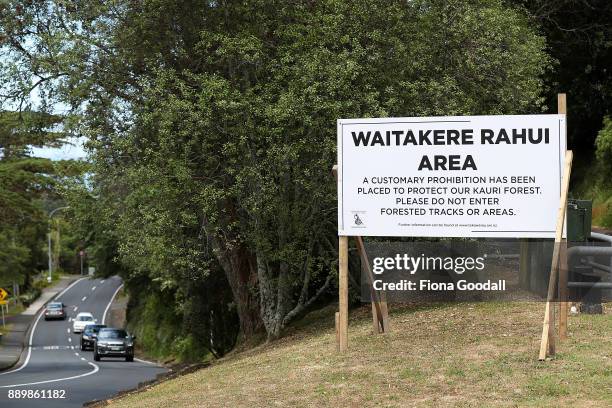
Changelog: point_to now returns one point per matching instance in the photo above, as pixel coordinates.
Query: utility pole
(49, 251)
(81, 252)
(49, 278)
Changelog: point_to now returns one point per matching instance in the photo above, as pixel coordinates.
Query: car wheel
(96, 355)
(129, 358)
(82, 346)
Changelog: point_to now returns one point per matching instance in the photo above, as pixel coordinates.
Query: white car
(82, 320)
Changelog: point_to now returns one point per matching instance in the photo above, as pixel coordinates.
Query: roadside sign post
(3, 301)
(456, 176)
(563, 267)
(380, 314)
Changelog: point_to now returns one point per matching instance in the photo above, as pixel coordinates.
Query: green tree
(25, 184)
(579, 39)
(213, 130)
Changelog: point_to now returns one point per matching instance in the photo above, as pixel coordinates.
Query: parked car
(88, 337)
(113, 342)
(55, 310)
(81, 320)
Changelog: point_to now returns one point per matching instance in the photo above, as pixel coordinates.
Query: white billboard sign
(457, 176)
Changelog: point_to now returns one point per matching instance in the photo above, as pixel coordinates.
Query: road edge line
(110, 303)
(140, 360)
(31, 330)
(95, 370)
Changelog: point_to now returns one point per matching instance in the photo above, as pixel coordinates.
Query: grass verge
(465, 355)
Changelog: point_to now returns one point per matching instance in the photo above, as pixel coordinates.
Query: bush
(160, 329)
(603, 145)
(30, 296)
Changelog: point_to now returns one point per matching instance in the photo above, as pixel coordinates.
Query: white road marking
(66, 290)
(71, 347)
(75, 308)
(47, 348)
(69, 320)
(27, 360)
(94, 288)
(84, 297)
(68, 330)
(70, 339)
(83, 358)
(146, 362)
(109, 303)
(95, 370)
(76, 354)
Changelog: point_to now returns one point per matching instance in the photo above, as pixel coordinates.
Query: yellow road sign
(3, 294)
(3, 302)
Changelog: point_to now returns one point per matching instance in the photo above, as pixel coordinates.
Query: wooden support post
(337, 326)
(563, 267)
(376, 313)
(562, 105)
(552, 343)
(547, 341)
(563, 291)
(384, 310)
(380, 311)
(343, 293)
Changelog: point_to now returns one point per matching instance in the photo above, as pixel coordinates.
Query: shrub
(603, 145)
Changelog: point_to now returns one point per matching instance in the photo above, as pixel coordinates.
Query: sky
(73, 150)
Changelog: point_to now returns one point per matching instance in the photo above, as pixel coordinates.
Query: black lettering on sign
(453, 162)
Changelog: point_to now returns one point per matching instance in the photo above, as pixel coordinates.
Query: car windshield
(112, 334)
(93, 328)
(85, 318)
(54, 306)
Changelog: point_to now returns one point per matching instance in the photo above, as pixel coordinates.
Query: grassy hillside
(482, 354)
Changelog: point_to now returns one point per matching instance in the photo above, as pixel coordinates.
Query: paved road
(54, 360)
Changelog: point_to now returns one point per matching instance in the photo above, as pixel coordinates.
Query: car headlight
(102, 344)
(85, 337)
(130, 344)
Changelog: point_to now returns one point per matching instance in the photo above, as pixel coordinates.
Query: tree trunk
(239, 267)
(267, 293)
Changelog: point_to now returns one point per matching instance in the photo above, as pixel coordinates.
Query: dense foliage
(212, 129)
(603, 145)
(579, 39)
(28, 186)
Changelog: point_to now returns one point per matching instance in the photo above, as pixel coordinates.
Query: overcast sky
(74, 150)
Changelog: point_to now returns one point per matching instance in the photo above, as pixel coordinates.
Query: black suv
(114, 343)
(88, 337)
